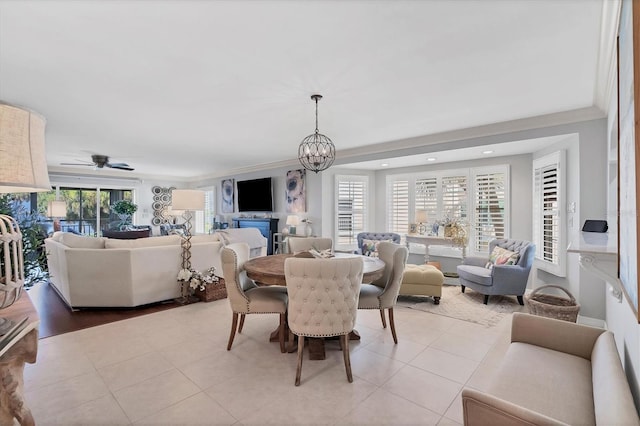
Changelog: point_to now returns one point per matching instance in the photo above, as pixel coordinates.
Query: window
(454, 196)
(427, 196)
(398, 207)
(204, 219)
(548, 213)
(489, 206)
(351, 219)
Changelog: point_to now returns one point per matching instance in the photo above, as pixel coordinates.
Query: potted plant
(124, 209)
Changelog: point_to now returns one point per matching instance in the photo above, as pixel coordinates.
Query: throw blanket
(251, 236)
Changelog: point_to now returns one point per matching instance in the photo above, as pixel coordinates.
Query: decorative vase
(308, 231)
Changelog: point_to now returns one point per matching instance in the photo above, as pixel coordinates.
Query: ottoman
(422, 280)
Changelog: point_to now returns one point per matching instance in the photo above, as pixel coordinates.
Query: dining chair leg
(241, 323)
(384, 320)
(345, 354)
(234, 325)
(281, 333)
(299, 368)
(393, 326)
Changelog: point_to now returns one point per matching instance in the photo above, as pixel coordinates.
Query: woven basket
(212, 292)
(546, 305)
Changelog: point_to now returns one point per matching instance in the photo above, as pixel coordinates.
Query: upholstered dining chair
(247, 298)
(298, 244)
(323, 301)
(499, 279)
(383, 293)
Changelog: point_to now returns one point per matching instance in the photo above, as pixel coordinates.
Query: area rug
(465, 306)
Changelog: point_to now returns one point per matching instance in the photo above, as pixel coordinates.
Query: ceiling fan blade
(120, 166)
(77, 164)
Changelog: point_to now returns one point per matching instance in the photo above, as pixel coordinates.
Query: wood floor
(56, 317)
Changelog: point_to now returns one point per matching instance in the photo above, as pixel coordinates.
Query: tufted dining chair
(383, 293)
(323, 301)
(298, 244)
(247, 298)
(476, 273)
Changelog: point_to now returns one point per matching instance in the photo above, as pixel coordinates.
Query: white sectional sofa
(105, 272)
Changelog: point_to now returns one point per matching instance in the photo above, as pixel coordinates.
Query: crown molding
(607, 51)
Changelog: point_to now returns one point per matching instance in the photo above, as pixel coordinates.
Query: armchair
(500, 279)
(375, 236)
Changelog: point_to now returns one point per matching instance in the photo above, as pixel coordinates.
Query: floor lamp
(23, 169)
(188, 200)
(57, 209)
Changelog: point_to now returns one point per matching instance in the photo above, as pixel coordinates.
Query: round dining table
(269, 270)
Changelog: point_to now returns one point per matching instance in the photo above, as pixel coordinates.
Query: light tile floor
(172, 367)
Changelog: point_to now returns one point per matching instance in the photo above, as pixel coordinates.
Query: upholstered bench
(422, 280)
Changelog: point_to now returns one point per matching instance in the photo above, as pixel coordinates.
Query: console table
(427, 241)
(19, 350)
(267, 227)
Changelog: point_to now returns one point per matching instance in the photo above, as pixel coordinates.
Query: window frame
(352, 244)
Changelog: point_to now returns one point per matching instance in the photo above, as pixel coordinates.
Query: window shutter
(351, 216)
(548, 217)
(454, 196)
(427, 196)
(398, 207)
(489, 221)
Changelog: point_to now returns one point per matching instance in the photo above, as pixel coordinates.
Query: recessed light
(431, 159)
(384, 164)
(489, 151)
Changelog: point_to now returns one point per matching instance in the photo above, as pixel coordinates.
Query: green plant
(33, 236)
(124, 207)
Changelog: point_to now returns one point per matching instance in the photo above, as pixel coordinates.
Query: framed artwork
(413, 228)
(296, 192)
(228, 195)
(628, 155)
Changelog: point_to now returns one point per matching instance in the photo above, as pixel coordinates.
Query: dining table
(269, 270)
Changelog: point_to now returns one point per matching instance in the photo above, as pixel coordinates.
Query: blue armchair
(501, 279)
(376, 236)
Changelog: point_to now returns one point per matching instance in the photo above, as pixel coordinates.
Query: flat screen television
(255, 195)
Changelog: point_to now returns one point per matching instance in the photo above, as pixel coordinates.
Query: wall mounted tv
(255, 195)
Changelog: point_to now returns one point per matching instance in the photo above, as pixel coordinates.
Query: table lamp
(292, 221)
(23, 169)
(421, 218)
(188, 200)
(57, 209)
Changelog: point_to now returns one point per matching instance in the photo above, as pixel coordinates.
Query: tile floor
(172, 368)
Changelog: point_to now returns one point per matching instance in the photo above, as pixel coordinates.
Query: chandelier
(316, 152)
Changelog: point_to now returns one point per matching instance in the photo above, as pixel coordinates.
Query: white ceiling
(188, 88)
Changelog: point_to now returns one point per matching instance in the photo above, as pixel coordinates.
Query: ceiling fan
(99, 162)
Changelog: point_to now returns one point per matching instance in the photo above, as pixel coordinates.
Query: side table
(20, 349)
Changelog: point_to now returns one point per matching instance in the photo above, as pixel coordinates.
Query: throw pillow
(501, 256)
(370, 247)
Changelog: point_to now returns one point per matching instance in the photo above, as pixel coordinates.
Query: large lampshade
(24, 166)
(421, 216)
(57, 208)
(187, 199)
(293, 220)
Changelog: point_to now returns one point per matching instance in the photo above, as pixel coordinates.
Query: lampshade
(293, 220)
(421, 216)
(24, 166)
(57, 208)
(172, 212)
(187, 199)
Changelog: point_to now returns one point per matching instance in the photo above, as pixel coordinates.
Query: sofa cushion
(475, 274)
(164, 240)
(549, 382)
(79, 241)
(370, 247)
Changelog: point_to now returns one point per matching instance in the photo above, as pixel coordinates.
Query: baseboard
(592, 322)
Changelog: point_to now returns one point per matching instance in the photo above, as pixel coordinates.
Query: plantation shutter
(427, 196)
(548, 213)
(351, 216)
(398, 207)
(489, 221)
(454, 196)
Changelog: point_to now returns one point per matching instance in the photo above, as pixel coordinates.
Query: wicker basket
(556, 307)
(212, 292)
